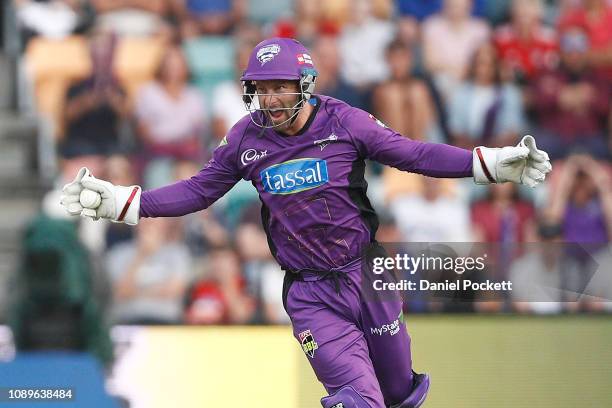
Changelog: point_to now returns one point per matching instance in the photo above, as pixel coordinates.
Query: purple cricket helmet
(278, 58)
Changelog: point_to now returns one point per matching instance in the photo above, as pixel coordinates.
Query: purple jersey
(312, 187)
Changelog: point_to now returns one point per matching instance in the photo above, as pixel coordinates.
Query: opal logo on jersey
(250, 155)
(293, 176)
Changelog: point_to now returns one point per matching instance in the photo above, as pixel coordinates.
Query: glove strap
(128, 203)
(484, 162)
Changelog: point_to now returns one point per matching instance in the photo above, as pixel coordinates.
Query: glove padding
(522, 164)
(71, 193)
(117, 203)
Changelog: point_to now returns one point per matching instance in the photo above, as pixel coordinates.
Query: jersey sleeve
(375, 141)
(200, 191)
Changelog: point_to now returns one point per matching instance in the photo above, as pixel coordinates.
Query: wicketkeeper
(305, 154)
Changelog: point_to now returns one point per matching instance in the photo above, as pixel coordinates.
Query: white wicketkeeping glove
(522, 164)
(118, 203)
(71, 193)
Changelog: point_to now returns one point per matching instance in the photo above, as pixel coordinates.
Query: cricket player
(305, 154)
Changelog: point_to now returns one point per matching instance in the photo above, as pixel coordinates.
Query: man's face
(574, 46)
(276, 96)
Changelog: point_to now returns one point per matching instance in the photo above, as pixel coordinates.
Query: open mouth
(276, 113)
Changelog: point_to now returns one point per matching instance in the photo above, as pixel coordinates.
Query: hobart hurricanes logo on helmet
(268, 53)
(293, 176)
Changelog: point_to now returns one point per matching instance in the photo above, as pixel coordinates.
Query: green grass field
(505, 361)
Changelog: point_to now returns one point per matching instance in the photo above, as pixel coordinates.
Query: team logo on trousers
(392, 328)
(309, 345)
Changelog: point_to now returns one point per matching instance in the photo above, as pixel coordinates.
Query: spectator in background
(598, 292)
(52, 18)
(247, 32)
(483, 110)
(94, 108)
(271, 285)
(203, 230)
(434, 212)
(503, 216)
(571, 103)
(525, 46)
(335, 14)
(414, 12)
(403, 101)
(170, 117)
(422, 9)
(149, 276)
(263, 274)
(503, 219)
(227, 105)
(581, 200)
(219, 297)
(132, 17)
(581, 204)
(54, 298)
(207, 17)
(305, 25)
(388, 230)
(545, 280)
(449, 41)
(326, 55)
(595, 17)
(362, 45)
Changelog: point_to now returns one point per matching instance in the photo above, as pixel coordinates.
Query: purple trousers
(351, 341)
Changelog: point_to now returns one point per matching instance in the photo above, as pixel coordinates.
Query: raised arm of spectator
(545, 93)
(603, 183)
(79, 104)
(597, 95)
(562, 189)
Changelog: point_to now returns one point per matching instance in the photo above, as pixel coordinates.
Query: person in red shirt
(505, 219)
(595, 17)
(525, 45)
(307, 23)
(503, 216)
(220, 298)
(572, 103)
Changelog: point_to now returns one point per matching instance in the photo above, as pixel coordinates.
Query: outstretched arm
(191, 195)
(96, 198)
(376, 141)
(523, 164)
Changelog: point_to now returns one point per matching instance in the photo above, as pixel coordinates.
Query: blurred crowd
(142, 91)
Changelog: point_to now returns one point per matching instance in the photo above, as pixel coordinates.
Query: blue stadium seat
(266, 12)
